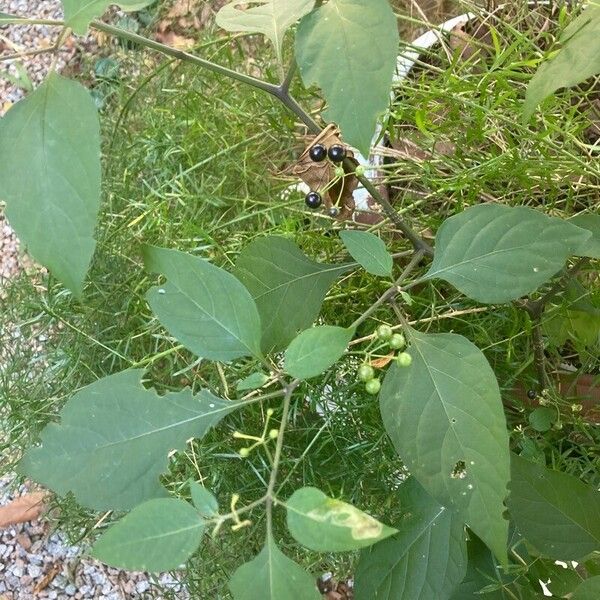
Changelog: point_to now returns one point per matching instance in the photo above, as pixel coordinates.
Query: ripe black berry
(313, 199)
(531, 394)
(337, 153)
(317, 153)
(334, 211)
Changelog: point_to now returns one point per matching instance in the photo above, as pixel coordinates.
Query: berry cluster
(395, 341)
(318, 153)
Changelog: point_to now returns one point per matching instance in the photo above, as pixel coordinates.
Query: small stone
(142, 586)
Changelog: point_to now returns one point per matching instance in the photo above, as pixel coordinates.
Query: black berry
(337, 153)
(334, 211)
(531, 394)
(313, 199)
(318, 153)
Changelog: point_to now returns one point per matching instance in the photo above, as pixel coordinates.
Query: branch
(391, 292)
(269, 496)
(281, 92)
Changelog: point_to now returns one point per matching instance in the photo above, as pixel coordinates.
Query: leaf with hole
(50, 176)
(445, 418)
(315, 350)
(555, 512)
(588, 590)
(272, 576)
(495, 253)
(272, 18)
(287, 286)
(426, 559)
(328, 525)
(158, 535)
(591, 247)
(578, 60)
(78, 13)
(369, 251)
(111, 444)
(349, 49)
(206, 308)
(206, 504)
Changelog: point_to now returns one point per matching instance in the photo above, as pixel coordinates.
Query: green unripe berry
(384, 332)
(373, 386)
(360, 171)
(397, 341)
(404, 359)
(274, 434)
(366, 373)
(339, 172)
(244, 452)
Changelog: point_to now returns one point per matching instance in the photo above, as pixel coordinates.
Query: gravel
(35, 561)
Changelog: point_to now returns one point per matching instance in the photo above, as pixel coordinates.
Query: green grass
(195, 163)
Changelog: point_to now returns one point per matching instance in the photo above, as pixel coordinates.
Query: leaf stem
(395, 289)
(270, 497)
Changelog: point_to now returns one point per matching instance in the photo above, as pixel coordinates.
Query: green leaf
(349, 49)
(578, 60)
(445, 418)
(79, 13)
(591, 247)
(369, 251)
(286, 285)
(272, 576)
(272, 18)
(328, 525)
(112, 442)
(50, 176)
(7, 19)
(588, 590)
(542, 418)
(556, 513)
(425, 560)
(315, 350)
(206, 504)
(495, 253)
(252, 382)
(580, 327)
(206, 308)
(560, 580)
(158, 535)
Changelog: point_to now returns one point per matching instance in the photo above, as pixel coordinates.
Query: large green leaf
(287, 286)
(112, 442)
(328, 525)
(315, 350)
(272, 576)
(50, 176)
(158, 535)
(206, 308)
(556, 513)
(425, 560)
(578, 60)
(495, 253)
(445, 418)
(588, 590)
(591, 222)
(79, 13)
(349, 48)
(272, 18)
(369, 251)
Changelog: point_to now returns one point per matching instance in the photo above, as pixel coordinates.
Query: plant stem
(185, 56)
(269, 497)
(535, 309)
(391, 292)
